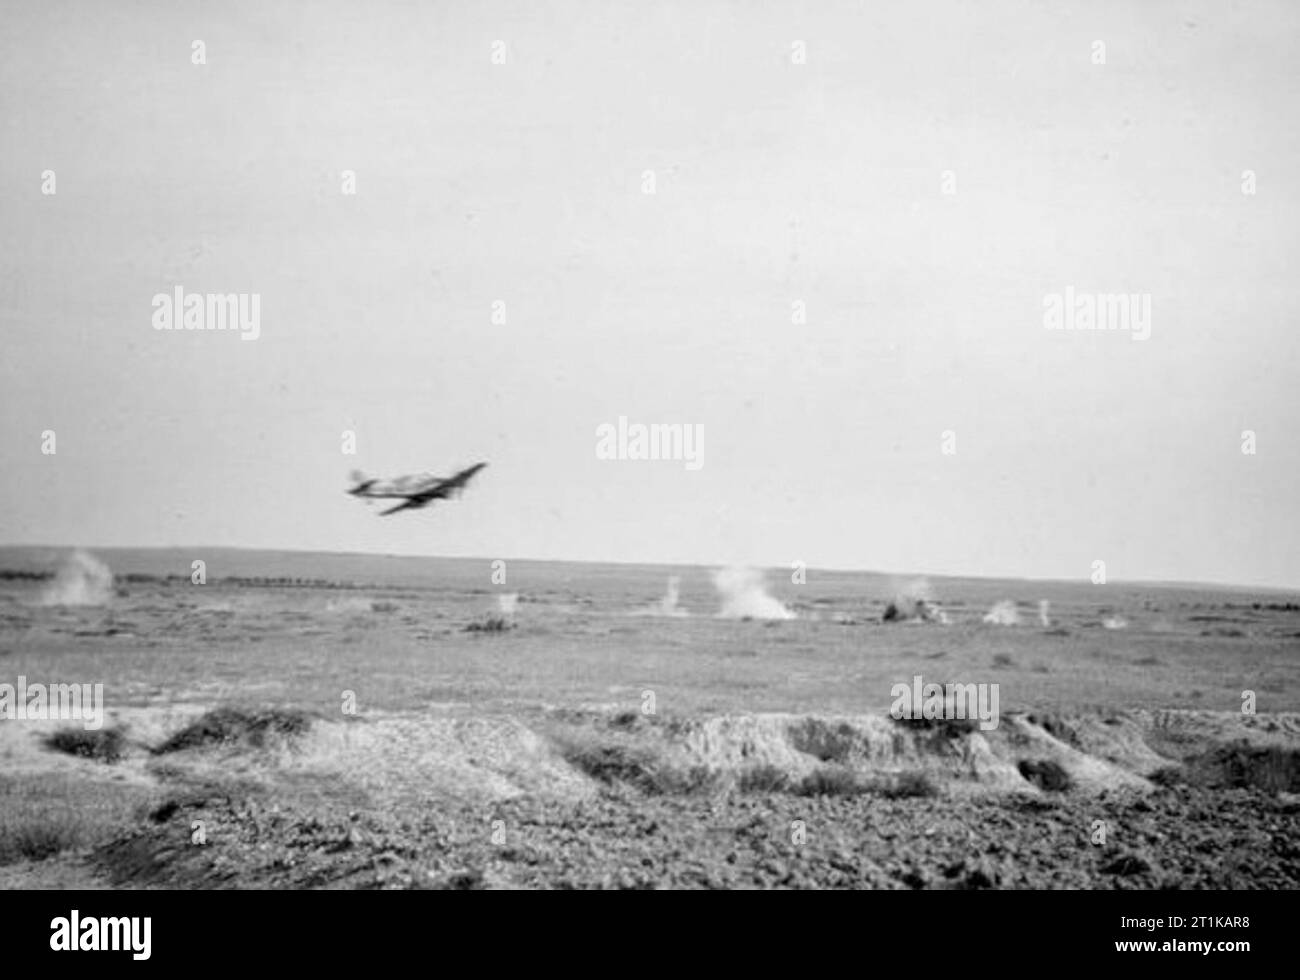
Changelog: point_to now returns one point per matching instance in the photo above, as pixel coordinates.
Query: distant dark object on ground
(493, 624)
(235, 725)
(105, 744)
(901, 610)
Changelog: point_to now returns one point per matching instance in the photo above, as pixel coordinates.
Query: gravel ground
(1179, 837)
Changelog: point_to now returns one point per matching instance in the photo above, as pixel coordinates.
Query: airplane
(415, 491)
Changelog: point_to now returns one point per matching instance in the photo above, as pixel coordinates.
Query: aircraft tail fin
(363, 482)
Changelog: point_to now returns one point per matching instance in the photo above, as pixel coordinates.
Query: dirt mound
(874, 752)
(225, 726)
(409, 759)
(1118, 739)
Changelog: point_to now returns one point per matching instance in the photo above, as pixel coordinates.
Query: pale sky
(775, 182)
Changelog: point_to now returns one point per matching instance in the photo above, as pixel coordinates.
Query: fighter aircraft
(415, 491)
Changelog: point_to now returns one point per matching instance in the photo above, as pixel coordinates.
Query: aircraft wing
(389, 495)
(460, 479)
(404, 505)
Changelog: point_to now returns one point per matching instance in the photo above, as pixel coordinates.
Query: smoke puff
(744, 595)
(667, 606)
(914, 600)
(82, 580)
(1003, 614)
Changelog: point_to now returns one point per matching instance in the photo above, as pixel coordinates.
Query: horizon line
(1144, 583)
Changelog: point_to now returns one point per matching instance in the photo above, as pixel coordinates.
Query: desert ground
(345, 721)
